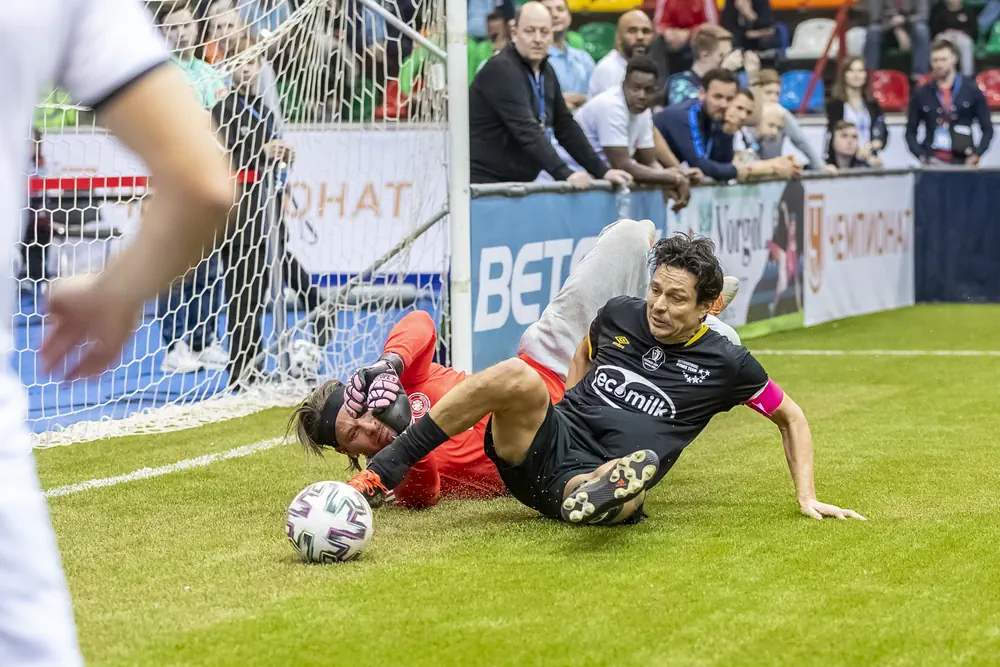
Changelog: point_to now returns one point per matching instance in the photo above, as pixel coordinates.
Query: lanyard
(538, 88)
(706, 150)
(954, 94)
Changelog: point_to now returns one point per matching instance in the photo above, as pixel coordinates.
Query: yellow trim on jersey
(694, 338)
(590, 348)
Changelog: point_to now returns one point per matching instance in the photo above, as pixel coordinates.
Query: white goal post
(352, 210)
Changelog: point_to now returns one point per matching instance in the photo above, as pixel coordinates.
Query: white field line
(146, 473)
(880, 353)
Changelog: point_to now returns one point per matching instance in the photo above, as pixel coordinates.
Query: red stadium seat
(891, 89)
(395, 105)
(989, 82)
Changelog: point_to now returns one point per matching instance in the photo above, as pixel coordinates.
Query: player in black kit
(646, 380)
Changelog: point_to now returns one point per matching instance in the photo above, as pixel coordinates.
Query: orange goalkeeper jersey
(458, 468)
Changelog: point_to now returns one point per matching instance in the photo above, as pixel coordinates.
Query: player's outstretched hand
(87, 311)
(356, 391)
(384, 391)
(818, 510)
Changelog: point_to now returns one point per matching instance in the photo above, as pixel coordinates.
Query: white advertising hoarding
(859, 246)
(353, 193)
(756, 229)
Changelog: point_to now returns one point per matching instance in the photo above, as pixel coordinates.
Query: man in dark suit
(516, 106)
(947, 106)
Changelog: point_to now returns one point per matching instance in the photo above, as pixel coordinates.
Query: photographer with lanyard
(947, 106)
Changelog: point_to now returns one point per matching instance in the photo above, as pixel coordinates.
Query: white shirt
(862, 121)
(606, 121)
(91, 49)
(610, 72)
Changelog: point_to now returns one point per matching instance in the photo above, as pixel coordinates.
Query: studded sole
(626, 480)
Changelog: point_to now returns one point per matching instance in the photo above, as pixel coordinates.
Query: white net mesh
(335, 122)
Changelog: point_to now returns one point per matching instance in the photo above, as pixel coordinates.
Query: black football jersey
(642, 394)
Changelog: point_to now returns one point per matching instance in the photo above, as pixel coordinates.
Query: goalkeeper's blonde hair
(305, 421)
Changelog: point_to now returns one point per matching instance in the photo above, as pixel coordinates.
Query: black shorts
(555, 457)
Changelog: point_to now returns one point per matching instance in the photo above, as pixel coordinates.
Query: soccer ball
(304, 359)
(329, 522)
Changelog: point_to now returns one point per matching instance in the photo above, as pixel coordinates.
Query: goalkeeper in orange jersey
(379, 401)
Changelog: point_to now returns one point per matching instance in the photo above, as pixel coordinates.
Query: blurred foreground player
(107, 55)
(645, 381)
(363, 417)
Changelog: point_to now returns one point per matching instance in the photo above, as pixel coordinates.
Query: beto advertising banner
(860, 246)
(523, 249)
(757, 231)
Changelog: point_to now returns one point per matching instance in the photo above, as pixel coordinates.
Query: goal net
(334, 116)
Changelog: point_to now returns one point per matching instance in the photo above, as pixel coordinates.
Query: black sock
(416, 442)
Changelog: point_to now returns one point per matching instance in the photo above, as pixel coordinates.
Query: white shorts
(36, 617)
(614, 266)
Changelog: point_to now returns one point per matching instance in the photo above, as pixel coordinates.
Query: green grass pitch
(193, 568)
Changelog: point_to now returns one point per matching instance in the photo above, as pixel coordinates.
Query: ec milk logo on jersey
(617, 386)
(692, 373)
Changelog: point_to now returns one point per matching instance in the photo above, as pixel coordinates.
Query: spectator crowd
(684, 96)
(687, 94)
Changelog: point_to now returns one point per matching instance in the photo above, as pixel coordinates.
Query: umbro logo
(620, 342)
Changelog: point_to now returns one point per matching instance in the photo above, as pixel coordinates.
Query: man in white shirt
(635, 33)
(106, 54)
(618, 123)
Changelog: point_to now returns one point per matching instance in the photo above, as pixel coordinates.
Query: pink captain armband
(767, 400)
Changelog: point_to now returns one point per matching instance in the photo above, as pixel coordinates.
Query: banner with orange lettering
(352, 193)
(355, 193)
(858, 246)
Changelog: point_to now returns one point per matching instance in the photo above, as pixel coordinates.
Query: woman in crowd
(852, 101)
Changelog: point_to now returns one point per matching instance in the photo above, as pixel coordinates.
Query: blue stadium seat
(793, 89)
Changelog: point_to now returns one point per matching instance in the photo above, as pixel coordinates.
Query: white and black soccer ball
(329, 522)
(304, 359)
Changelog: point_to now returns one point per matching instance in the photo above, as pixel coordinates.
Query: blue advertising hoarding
(523, 249)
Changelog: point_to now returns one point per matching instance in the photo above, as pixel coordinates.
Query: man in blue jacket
(693, 129)
(700, 131)
(947, 106)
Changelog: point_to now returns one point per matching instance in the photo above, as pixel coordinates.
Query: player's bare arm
(194, 195)
(797, 440)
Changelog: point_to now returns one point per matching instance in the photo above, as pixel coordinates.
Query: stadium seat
(993, 43)
(891, 89)
(989, 83)
(799, 5)
(856, 38)
(575, 39)
(395, 105)
(599, 38)
(810, 39)
(479, 51)
(793, 89)
(609, 6)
